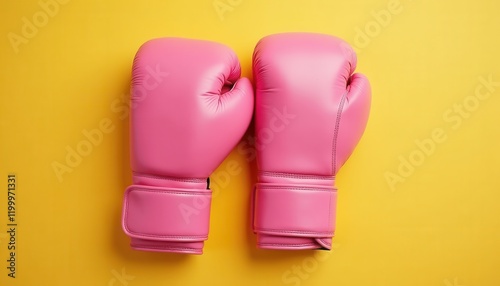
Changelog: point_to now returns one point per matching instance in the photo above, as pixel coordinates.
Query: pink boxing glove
(189, 108)
(311, 111)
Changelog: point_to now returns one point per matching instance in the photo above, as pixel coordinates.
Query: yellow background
(440, 226)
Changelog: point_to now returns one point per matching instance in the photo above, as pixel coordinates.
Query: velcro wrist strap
(294, 210)
(166, 214)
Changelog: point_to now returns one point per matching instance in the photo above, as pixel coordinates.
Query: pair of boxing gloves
(189, 109)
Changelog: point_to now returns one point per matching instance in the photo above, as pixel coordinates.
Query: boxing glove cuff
(157, 218)
(281, 209)
(291, 205)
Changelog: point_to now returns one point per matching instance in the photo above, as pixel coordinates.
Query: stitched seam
(167, 236)
(193, 193)
(334, 149)
(329, 244)
(294, 231)
(330, 211)
(298, 189)
(190, 180)
(297, 176)
(171, 236)
(336, 132)
(166, 247)
(252, 206)
(283, 244)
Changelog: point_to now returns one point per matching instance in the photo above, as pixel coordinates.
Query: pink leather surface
(290, 220)
(305, 82)
(180, 219)
(183, 124)
(189, 108)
